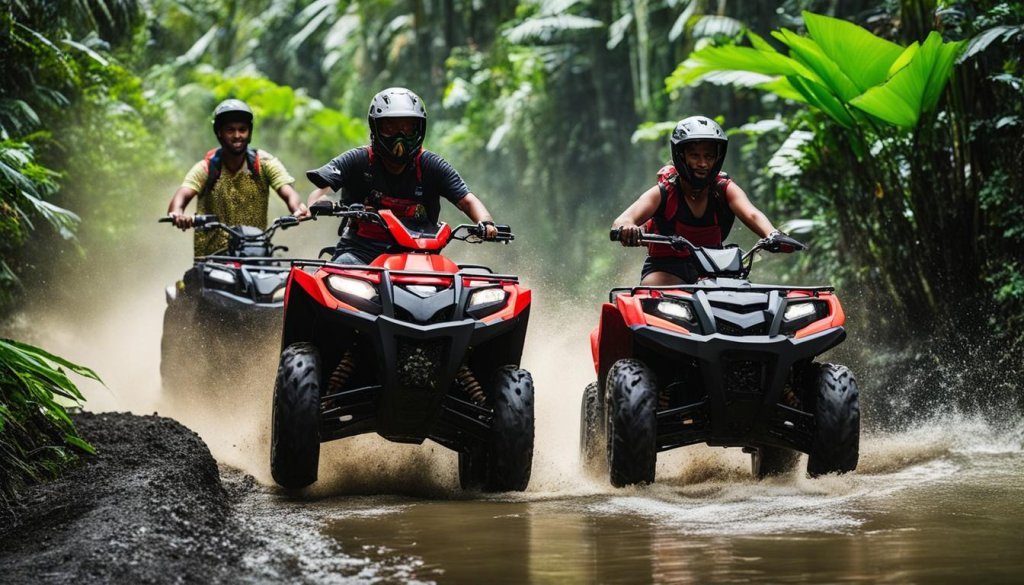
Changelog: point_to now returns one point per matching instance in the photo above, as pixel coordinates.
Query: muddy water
(950, 512)
(940, 502)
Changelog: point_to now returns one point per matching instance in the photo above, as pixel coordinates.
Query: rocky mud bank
(150, 507)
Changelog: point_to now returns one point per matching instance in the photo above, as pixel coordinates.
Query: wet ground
(939, 501)
(927, 507)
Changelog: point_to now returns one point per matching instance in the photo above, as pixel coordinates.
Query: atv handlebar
(473, 233)
(210, 222)
(776, 242)
(677, 242)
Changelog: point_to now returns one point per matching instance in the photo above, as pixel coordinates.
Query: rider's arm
(283, 183)
(636, 214)
(318, 194)
(746, 212)
(477, 212)
(176, 208)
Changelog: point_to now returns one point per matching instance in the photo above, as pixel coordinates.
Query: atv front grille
(419, 362)
(744, 376)
(727, 328)
(442, 316)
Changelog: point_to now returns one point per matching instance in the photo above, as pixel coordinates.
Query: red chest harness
(400, 206)
(668, 220)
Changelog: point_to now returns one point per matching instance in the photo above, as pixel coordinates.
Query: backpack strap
(214, 164)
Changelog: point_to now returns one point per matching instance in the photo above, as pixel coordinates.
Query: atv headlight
(797, 310)
(484, 301)
(485, 296)
(278, 294)
(800, 314)
(221, 276)
(675, 310)
(351, 286)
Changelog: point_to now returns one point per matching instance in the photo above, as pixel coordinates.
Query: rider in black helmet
(693, 199)
(394, 172)
(233, 181)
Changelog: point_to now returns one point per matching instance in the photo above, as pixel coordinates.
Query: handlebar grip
(615, 234)
(167, 219)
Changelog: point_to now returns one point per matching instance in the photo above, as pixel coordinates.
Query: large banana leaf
(915, 88)
(841, 69)
(860, 55)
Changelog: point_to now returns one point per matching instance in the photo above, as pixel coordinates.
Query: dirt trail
(150, 507)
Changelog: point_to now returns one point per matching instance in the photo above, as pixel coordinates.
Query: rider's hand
(630, 235)
(181, 220)
(487, 228)
(302, 212)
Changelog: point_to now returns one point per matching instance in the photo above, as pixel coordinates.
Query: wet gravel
(150, 507)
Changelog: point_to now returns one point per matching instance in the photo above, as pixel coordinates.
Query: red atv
(412, 347)
(723, 362)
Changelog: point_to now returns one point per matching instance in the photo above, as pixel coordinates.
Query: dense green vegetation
(907, 165)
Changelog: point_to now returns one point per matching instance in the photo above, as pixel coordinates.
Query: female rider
(693, 199)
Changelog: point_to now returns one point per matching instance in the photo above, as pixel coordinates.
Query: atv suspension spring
(664, 399)
(343, 371)
(470, 385)
(790, 399)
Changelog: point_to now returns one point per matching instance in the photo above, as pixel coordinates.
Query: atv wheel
(837, 421)
(766, 461)
(504, 464)
(295, 438)
(632, 423)
(592, 443)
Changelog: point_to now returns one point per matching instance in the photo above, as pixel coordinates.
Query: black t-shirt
(361, 182)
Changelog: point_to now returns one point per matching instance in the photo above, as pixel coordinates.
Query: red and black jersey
(415, 192)
(674, 217)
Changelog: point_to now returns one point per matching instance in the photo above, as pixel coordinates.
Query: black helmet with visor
(403, 145)
(697, 129)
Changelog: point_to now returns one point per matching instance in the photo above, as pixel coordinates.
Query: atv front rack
(632, 290)
(476, 275)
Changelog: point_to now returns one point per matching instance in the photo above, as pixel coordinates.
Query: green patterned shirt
(236, 198)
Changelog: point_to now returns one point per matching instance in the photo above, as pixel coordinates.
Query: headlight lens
(221, 276)
(675, 310)
(798, 310)
(278, 294)
(800, 314)
(351, 286)
(485, 296)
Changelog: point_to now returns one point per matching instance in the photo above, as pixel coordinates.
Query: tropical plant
(871, 95)
(37, 438)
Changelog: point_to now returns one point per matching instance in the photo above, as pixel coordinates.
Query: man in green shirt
(233, 181)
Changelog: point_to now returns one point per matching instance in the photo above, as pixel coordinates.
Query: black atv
(412, 347)
(723, 362)
(223, 306)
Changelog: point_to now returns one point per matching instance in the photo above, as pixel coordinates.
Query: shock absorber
(664, 398)
(342, 372)
(470, 385)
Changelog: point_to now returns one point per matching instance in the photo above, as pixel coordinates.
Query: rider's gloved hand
(181, 220)
(487, 229)
(630, 235)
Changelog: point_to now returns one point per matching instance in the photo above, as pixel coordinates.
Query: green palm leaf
(862, 56)
(915, 88)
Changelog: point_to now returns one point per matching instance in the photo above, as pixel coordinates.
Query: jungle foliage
(907, 164)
